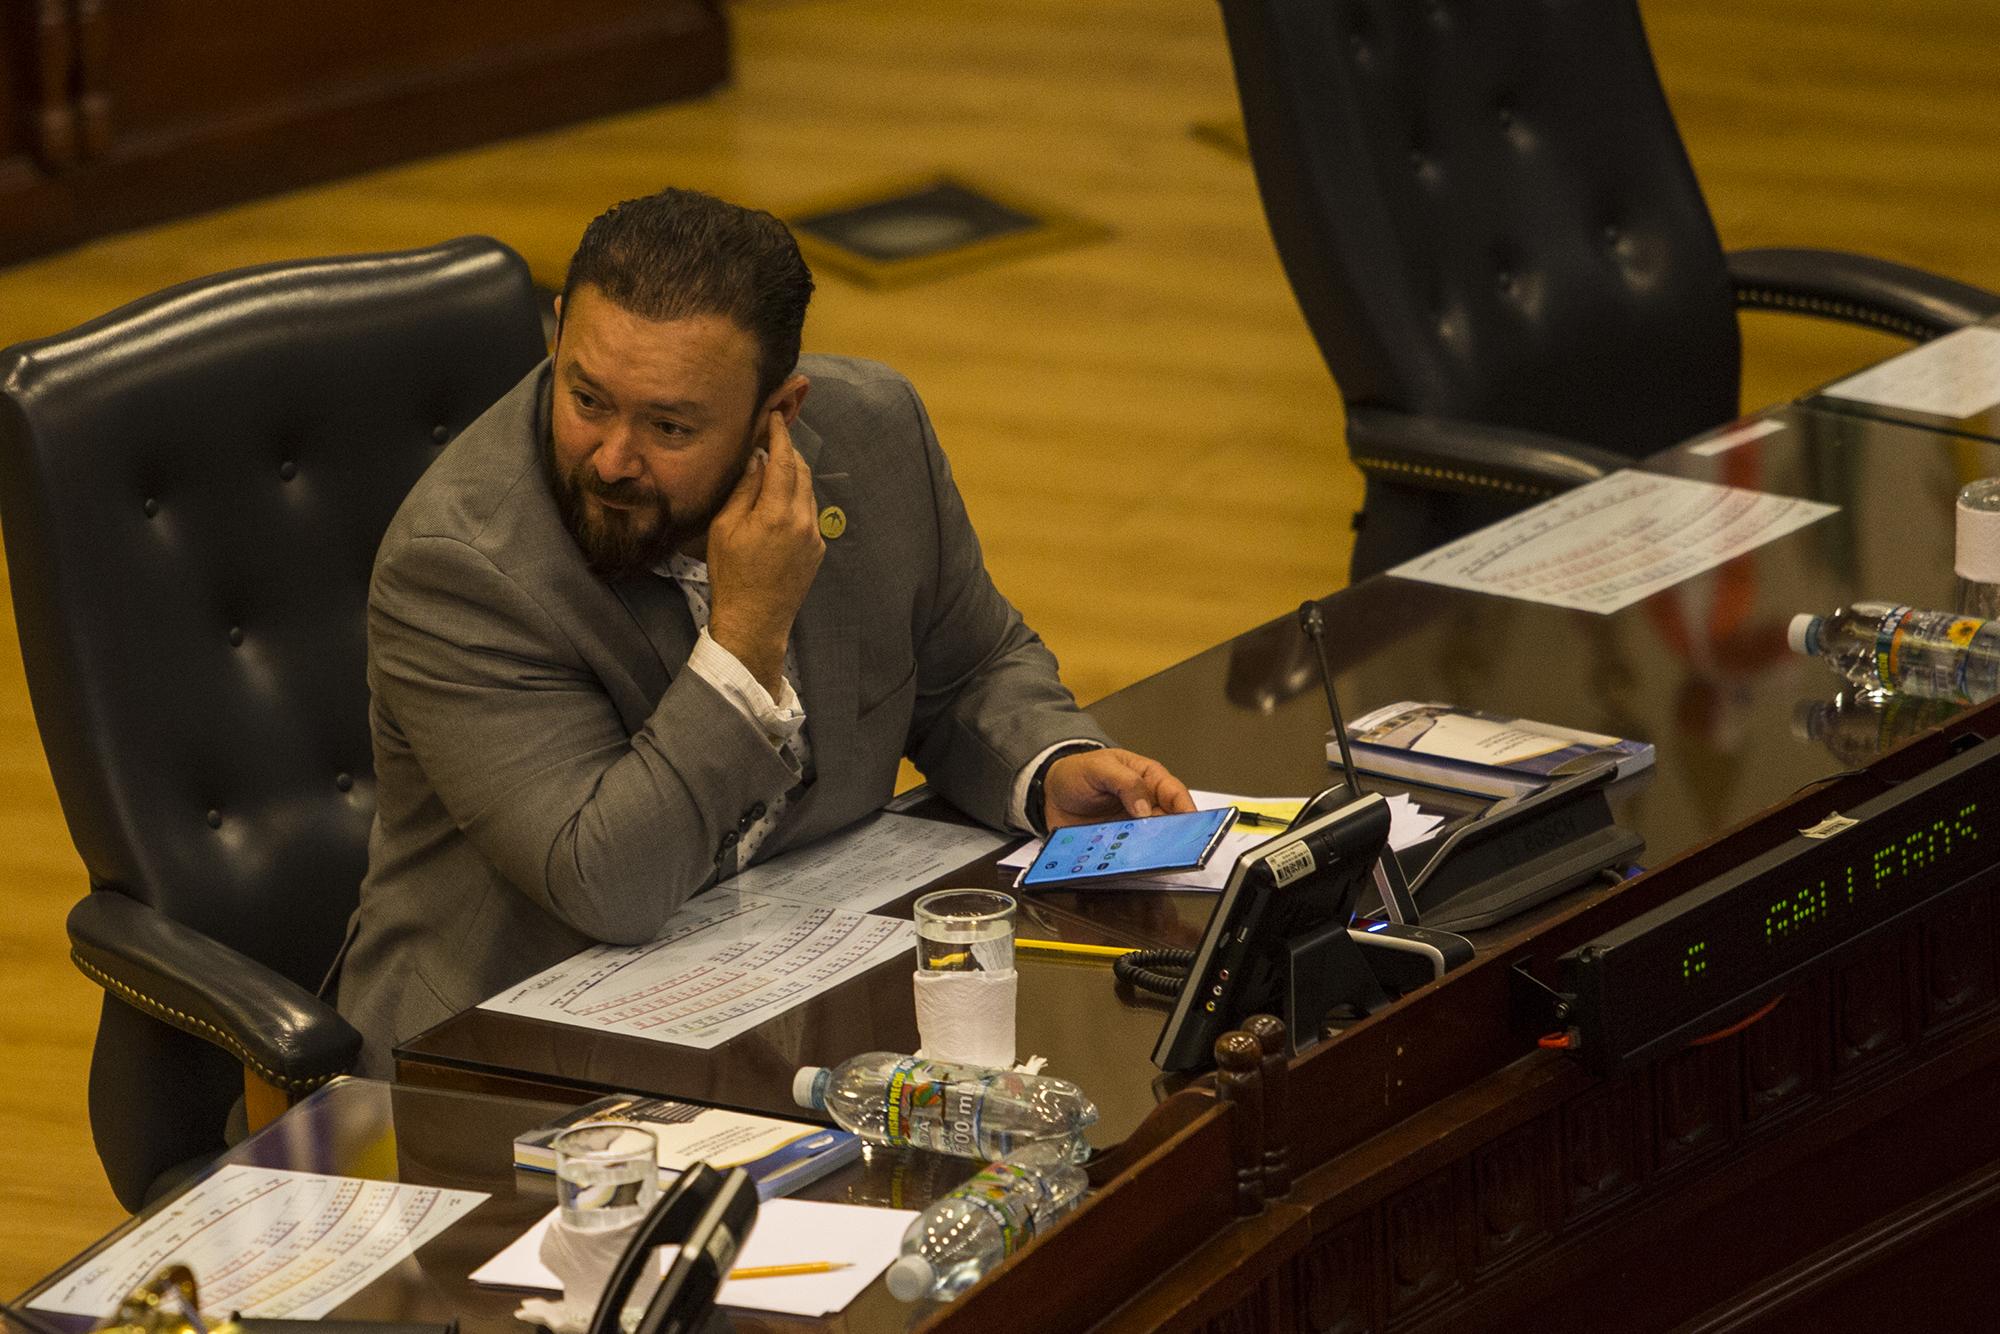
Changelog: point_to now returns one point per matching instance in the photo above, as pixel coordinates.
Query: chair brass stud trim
(199, 1027)
(1764, 298)
(1367, 464)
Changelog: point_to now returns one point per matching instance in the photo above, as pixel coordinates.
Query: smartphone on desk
(1153, 845)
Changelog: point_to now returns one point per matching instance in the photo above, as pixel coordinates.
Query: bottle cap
(809, 1086)
(911, 1277)
(1799, 634)
(1977, 552)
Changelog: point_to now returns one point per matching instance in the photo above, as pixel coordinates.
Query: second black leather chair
(1488, 217)
(192, 489)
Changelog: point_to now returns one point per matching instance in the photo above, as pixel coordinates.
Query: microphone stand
(1403, 953)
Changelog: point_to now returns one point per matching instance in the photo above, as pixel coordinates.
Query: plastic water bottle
(965, 1233)
(1976, 558)
(1886, 647)
(970, 1111)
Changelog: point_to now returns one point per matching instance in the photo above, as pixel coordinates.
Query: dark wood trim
(118, 170)
(55, 113)
(1883, 1241)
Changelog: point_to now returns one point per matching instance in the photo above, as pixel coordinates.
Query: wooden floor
(1144, 432)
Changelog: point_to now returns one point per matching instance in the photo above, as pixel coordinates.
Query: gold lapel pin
(832, 522)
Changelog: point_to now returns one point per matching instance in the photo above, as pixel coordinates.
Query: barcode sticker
(1291, 862)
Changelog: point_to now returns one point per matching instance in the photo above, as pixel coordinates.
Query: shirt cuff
(779, 719)
(1017, 804)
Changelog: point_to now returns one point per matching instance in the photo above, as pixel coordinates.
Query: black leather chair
(1487, 215)
(191, 490)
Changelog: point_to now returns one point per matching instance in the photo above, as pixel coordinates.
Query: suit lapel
(829, 664)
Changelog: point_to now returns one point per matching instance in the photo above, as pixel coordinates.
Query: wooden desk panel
(142, 110)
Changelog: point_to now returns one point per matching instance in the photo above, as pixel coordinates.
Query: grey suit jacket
(547, 774)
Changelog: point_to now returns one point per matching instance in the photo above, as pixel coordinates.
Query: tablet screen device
(1153, 845)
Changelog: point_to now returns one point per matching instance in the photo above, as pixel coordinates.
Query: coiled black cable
(1161, 972)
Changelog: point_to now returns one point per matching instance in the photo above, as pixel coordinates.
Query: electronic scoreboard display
(1701, 962)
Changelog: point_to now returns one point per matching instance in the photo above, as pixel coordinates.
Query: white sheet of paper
(724, 964)
(868, 864)
(283, 1245)
(1742, 435)
(1408, 824)
(1957, 375)
(787, 1232)
(1613, 542)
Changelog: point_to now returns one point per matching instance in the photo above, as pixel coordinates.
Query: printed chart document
(724, 964)
(1614, 542)
(1957, 375)
(770, 938)
(868, 864)
(787, 1232)
(284, 1245)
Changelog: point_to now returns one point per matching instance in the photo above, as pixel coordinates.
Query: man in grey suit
(680, 600)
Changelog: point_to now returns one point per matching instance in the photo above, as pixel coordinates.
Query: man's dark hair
(680, 253)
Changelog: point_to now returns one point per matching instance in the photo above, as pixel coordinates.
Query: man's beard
(626, 543)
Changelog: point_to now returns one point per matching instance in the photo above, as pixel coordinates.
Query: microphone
(1314, 624)
(1390, 882)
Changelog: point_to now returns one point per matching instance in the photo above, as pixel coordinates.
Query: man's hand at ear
(764, 548)
(1108, 784)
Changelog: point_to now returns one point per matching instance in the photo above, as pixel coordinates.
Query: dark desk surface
(1701, 669)
(364, 1128)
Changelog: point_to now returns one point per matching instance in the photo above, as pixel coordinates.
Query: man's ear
(555, 338)
(788, 398)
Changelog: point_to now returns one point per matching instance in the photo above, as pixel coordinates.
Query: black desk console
(1712, 955)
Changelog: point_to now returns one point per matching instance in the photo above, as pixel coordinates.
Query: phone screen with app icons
(1146, 846)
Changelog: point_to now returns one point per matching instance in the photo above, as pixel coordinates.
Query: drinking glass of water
(965, 979)
(607, 1176)
(964, 931)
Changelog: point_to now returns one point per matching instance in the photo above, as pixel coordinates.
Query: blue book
(1464, 750)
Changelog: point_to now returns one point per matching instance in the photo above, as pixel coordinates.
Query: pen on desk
(1255, 817)
(787, 1271)
(1071, 947)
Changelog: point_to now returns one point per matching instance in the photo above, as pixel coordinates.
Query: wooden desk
(436, 1137)
(1430, 1168)
(1453, 1176)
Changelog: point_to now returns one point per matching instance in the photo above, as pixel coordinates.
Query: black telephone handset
(709, 1216)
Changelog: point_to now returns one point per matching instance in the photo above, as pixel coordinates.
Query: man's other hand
(1096, 785)
(764, 548)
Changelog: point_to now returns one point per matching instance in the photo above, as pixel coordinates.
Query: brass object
(167, 1303)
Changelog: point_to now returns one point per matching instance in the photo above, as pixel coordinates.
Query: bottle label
(1888, 638)
(1926, 653)
(999, 1190)
(923, 1105)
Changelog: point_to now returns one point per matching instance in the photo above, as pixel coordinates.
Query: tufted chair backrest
(1486, 213)
(192, 489)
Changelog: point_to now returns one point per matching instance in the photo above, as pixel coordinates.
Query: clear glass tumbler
(1977, 550)
(965, 930)
(607, 1176)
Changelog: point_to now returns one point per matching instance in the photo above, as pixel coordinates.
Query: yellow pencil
(1071, 947)
(787, 1271)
